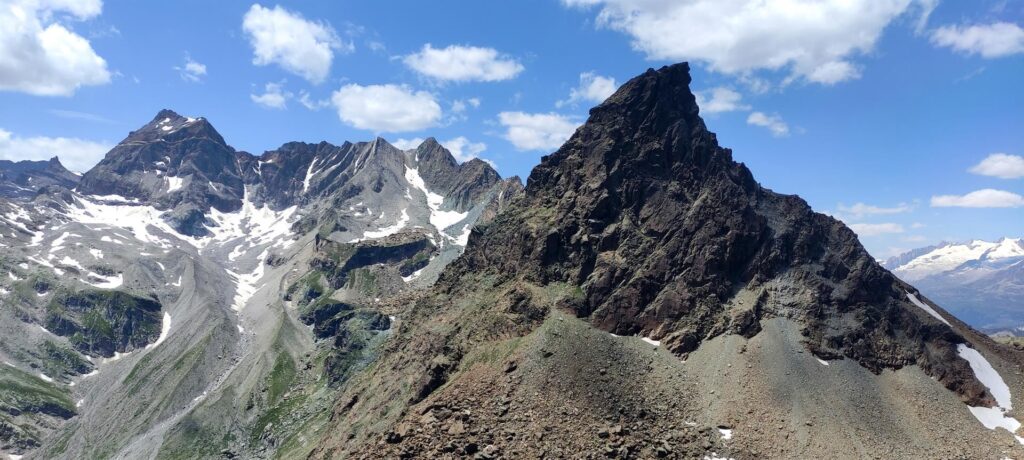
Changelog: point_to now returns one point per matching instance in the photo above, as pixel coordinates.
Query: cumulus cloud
(987, 40)
(536, 131)
(463, 149)
(876, 229)
(386, 108)
(814, 41)
(40, 56)
(273, 97)
(463, 63)
(1001, 165)
(406, 144)
(859, 210)
(720, 99)
(300, 46)
(773, 122)
(192, 71)
(592, 88)
(76, 154)
(984, 198)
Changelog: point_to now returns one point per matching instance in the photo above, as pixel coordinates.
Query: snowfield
(991, 417)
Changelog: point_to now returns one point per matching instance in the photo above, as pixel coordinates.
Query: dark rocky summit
(669, 238)
(640, 225)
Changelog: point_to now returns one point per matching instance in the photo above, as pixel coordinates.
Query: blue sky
(904, 118)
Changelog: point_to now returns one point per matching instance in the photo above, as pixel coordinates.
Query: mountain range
(641, 296)
(980, 282)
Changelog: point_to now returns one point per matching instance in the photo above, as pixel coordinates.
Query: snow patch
(174, 184)
(46, 378)
(651, 341)
(441, 220)
(165, 330)
(309, 176)
(246, 285)
(931, 311)
(987, 375)
(108, 282)
(413, 275)
(386, 231)
(822, 361)
(726, 433)
(990, 417)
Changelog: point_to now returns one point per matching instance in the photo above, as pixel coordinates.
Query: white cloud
(1001, 165)
(536, 131)
(876, 229)
(592, 88)
(192, 71)
(988, 40)
(721, 99)
(814, 40)
(406, 144)
(463, 149)
(463, 63)
(76, 154)
(984, 198)
(774, 123)
(386, 108)
(308, 102)
(76, 115)
(273, 97)
(460, 105)
(40, 56)
(300, 46)
(859, 210)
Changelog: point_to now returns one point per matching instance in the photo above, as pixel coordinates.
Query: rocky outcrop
(669, 238)
(24, 179)
(101, 322)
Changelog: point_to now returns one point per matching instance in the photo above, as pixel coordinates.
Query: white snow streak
(990, 417)
(651, 341)
(174, 184)
(931, 311)
(441, 220)
(165, 330)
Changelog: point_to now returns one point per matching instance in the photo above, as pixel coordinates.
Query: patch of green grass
(24, 392)
(61, 360)
(281, 377)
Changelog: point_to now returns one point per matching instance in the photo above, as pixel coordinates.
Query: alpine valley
(642, 296)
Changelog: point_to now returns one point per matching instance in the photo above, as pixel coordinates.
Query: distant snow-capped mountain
(981, 282)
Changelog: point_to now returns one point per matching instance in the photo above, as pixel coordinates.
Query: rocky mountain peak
(169, 126)
(669, 238)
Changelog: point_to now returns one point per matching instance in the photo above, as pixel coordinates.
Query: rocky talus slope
(646, 297)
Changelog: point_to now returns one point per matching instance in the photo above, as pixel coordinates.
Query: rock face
(23, 179)
(669, 238)
(642, 225)
(980, 282)
(176, 163)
